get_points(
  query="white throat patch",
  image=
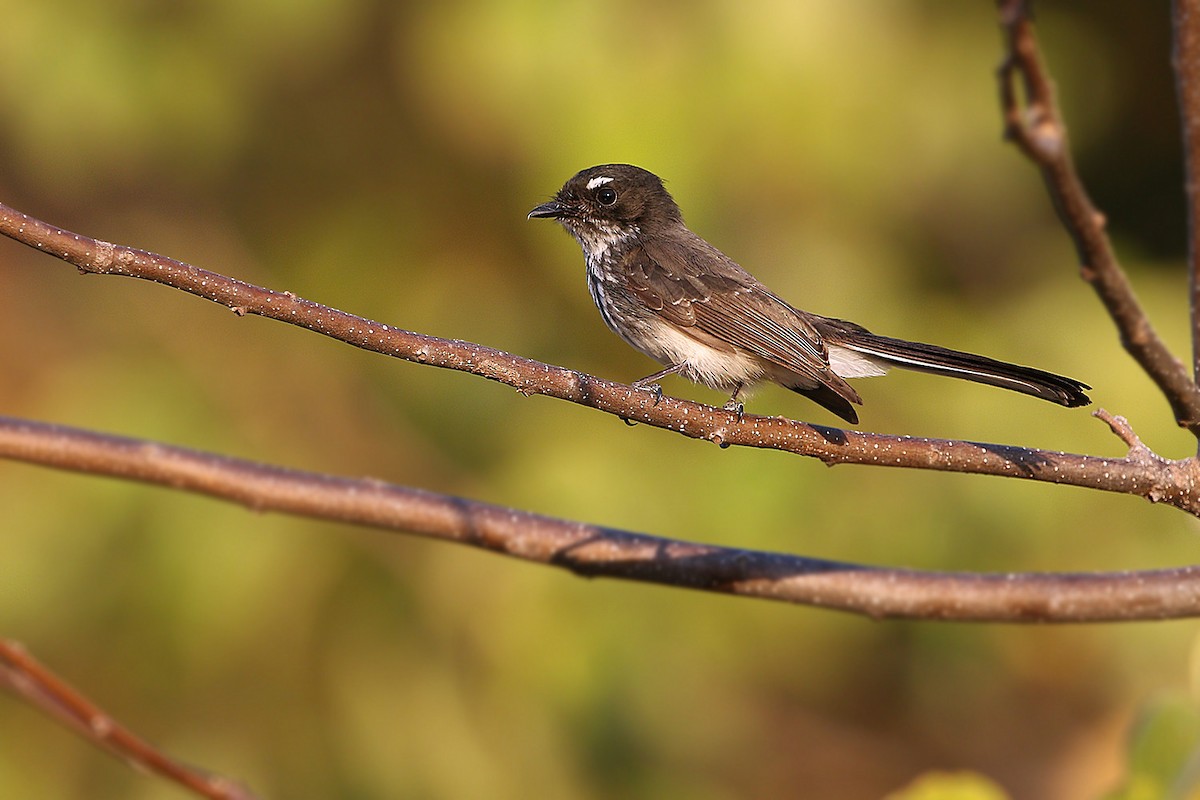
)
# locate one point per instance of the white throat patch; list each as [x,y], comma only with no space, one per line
[598,181]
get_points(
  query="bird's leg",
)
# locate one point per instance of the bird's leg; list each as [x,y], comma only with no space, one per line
[649,383]
[733,404]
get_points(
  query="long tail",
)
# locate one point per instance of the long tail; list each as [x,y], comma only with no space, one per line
[955,364]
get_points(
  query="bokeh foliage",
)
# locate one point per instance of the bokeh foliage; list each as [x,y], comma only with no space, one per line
[380,157]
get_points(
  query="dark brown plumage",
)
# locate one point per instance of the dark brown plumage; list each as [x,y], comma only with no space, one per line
[687,305]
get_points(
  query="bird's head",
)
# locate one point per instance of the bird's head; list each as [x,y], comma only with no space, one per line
[604,204]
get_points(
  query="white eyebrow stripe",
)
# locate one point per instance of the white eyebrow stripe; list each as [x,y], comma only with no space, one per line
[600,181]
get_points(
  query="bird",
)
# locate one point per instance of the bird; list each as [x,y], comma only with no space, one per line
[679,300]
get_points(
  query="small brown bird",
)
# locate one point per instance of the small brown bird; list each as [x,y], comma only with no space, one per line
[687,305]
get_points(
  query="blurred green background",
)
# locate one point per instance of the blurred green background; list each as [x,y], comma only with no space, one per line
[381,157]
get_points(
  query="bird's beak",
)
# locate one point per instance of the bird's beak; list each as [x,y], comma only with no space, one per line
[553,209]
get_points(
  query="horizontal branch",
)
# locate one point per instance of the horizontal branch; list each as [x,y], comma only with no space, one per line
[1157,479]
[595,551]
[1035,124]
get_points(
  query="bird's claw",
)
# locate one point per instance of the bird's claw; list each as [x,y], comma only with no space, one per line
[653,388]
[737,408]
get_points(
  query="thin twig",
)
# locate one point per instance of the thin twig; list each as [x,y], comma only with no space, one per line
[26,677]
[831,445]
[1186,27]
[595,551]
[1034,123]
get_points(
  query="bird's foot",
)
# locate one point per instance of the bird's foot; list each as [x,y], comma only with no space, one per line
[653,388]
[737,408]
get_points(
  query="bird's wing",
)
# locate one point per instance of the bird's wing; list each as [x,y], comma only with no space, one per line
[698,288]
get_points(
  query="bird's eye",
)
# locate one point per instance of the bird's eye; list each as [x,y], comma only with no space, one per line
[606,196]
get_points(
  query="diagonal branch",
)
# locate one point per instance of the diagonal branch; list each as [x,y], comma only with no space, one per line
[1174,482]
[595,551]
[1034,123]
[26,677]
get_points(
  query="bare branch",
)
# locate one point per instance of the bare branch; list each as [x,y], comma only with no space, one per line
[1186,27]
[1034,123]
[591,550]
[1168,481]
[24,676]
[595,551]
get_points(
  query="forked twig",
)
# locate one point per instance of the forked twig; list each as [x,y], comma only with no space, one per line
[1033,121]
